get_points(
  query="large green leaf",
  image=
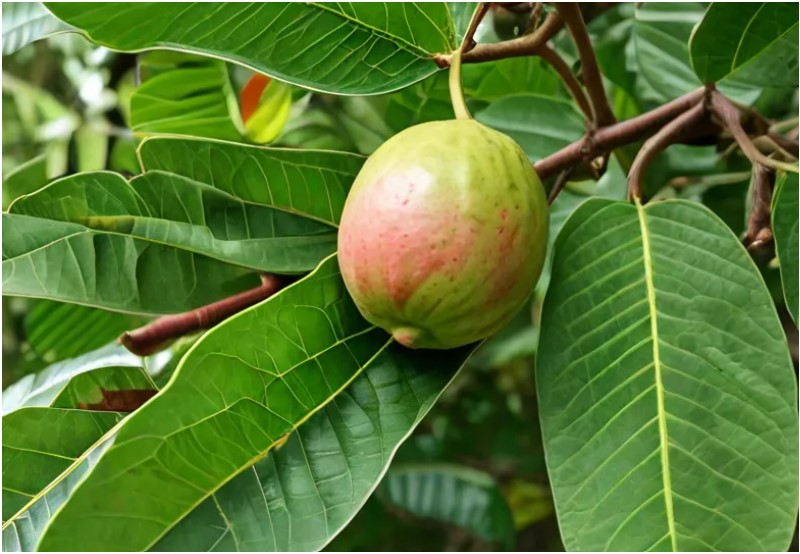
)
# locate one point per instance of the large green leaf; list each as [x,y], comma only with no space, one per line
[57,331]
[755,40]
[784,226]
[240,391]
[40,443]
[79,380]
[363,48]
[457,495]
[303,494]
[237,400]
[168,209]
[540,124]
[313,183]
[338,456]
[157,246]
[26,22]
[69,262]
[667,396]
[192,96]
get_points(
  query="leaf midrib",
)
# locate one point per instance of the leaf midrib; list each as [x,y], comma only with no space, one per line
[661,411]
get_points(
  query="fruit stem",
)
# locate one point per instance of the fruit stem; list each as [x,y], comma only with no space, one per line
[456,92]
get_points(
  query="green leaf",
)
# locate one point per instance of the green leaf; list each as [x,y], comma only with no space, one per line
[27,22]
[240,391]
[173,210]
[26,178]
[57,331]
[40,443]
[667,394]
[540,124]
[757,41]
[313,183]
[78,381]
[71,263]
[263,208]
[784,226]
[457,495]
[302,495]
[354,48]
[661,34]
[191,96]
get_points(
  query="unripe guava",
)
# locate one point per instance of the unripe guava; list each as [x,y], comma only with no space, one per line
[443,234]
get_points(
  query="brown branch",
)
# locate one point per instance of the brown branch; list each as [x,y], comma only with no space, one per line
[468,43]
[536,16]
[759,225]
[608,138]
[677,129]
[730,118]
[157,334]
[521,46]
[784,143]
[570,81]
[558,186]
[571,14]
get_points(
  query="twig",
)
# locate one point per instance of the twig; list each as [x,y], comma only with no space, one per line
[521,46]
[786,144]
[570,81]
[157,334]
[619,134]
[536,16]
[675,130]
[728,114]
[558,186]
[759,225]
[468,43]
[571,14]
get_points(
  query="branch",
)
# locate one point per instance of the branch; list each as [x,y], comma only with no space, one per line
[611,137]
[759,225]
[728,114]
[157,334]
[467,43]
[571,14]
[522,46]
[557,62]
[677,129]
[558,186]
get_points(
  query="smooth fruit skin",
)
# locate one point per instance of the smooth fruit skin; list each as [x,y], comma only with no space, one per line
[443,234]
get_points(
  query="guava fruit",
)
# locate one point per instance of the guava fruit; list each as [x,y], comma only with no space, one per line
[443,234]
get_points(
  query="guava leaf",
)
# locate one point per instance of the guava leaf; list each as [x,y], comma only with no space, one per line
[784,227]
[756,41]
[313,183]
[169,209]
[303,494]
[308,347]
[169,242]
[667,395]
[366,48]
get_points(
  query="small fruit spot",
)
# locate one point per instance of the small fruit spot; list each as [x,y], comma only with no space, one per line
[503,214]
